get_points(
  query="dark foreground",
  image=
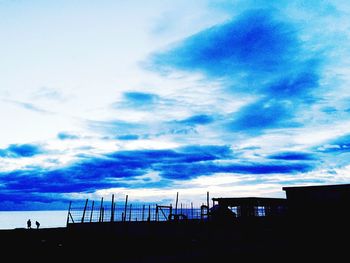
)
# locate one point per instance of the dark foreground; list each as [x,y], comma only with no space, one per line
[271,240]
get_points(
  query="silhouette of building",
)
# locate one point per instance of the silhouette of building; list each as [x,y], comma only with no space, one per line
[321,201]
[253,206]
[311,223]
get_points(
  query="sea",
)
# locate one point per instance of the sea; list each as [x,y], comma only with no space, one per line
[47,219]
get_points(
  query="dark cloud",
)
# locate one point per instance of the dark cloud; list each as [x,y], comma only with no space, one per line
[20,150]
[295,86]
[92,173]
[253,41]
[186,154]
[16,200]
[64,180]
[186,171]
[302,156]
[269,168]
[17,197]
[263,114]
[253,54]
[122,169]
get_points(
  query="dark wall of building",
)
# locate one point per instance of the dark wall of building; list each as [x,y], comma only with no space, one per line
[321,202]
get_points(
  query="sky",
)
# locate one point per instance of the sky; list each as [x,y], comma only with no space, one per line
[150,98]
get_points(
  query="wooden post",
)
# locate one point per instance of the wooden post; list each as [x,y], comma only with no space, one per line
[149,213]
[208,205]
[86,202]
[92,210]
[125,207]
[70,204]
[208,200]
[101,207]
[170,212]
[130,212]
[115,211]
[103,213]
[157,217]
[143,212]
[202,213]
[112,209]
[191,210]
[177,199]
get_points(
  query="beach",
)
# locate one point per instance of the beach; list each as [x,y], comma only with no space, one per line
[47,219]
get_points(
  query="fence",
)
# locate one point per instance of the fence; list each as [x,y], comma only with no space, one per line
[114,212]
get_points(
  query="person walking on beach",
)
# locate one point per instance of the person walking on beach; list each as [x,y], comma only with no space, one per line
[37,224]
[29,224]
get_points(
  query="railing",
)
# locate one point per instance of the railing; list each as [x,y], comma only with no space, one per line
[114,212]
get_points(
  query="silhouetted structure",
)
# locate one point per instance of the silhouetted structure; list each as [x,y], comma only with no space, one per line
[322,201]
[253,206]
[222,213]
[318,217]
[310,224]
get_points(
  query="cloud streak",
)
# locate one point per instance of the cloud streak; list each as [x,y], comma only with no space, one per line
[21,150]
[118,169]
[254,54]
[253,43]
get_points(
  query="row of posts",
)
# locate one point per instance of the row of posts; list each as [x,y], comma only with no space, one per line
[159,208]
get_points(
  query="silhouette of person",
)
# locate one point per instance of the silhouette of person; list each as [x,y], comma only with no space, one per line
[37,224]
[29,224]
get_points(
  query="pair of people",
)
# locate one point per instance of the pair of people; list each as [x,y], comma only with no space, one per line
[29,224]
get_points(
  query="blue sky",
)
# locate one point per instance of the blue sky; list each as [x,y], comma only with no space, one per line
[238,98]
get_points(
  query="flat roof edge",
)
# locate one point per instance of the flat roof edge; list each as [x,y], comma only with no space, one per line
[316,186]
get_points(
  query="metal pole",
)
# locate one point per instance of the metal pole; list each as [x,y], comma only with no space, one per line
[177,199]
[112,209]
[191,210]
[208,200]
[86,202]
[143,212]
[207,204]
[115,211]
[92,210]
[70,204]
[125,207]
[100,218]
[149,213]
[130,212]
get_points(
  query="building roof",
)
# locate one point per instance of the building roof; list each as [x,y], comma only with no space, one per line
[318,187]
